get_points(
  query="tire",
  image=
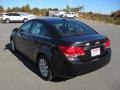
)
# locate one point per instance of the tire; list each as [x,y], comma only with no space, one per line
[7,21]
[44,68]
[65,17]
[13,46]
[25,20]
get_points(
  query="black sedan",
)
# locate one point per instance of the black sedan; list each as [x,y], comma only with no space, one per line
[61,47]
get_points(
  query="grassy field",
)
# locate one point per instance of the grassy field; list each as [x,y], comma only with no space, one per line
[114,18]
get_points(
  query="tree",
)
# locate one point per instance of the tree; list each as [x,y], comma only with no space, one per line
[43,12]
[78,8]
[67,9]
[9,9]
[49,9]
[26,8]
[74,9]
[55,9]
[116,14]
[35,11]
[16,9]
[1,9]
[90,12]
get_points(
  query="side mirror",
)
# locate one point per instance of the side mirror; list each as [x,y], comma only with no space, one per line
[15,30]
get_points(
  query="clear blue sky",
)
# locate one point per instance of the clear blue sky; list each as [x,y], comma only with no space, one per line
[98,6]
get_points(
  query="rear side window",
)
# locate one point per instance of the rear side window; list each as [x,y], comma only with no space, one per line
[16,14]
[26,27]
[39,29]
[79,28]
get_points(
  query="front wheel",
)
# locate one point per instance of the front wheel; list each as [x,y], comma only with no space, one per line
[25,20]
[7,21]
[65,16]
[44,68]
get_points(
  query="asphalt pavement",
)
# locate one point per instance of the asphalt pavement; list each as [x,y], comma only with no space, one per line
[18,73]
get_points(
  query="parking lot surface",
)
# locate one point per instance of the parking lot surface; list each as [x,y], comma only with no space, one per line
[18,73]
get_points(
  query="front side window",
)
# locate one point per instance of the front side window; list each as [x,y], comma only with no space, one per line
[26,27]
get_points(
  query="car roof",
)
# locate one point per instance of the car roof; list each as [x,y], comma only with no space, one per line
[48,19]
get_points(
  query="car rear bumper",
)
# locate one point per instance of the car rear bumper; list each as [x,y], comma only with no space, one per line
[73,69]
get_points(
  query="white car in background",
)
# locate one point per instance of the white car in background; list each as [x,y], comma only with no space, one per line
[70,15]
[59,13]
[16,17]
[32,16]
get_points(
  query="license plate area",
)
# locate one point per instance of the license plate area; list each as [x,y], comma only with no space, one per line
[95,52]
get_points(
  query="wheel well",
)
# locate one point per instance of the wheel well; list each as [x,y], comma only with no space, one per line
[25,18]
[7,19]
[37,56]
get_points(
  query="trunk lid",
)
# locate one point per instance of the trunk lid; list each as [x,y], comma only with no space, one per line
[93,45]
[84,38]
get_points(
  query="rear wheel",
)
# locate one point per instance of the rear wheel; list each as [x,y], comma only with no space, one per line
[13,47]
[44,68]
[7,21]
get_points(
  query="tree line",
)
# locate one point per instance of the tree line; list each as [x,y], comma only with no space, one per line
[114,17]
[37,11]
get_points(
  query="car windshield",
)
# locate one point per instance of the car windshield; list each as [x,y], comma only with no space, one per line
[72,28]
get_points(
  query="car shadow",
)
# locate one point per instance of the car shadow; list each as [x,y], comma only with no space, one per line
[29,64]
[22,58]
[33,67]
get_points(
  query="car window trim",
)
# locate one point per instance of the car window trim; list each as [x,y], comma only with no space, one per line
[36,35]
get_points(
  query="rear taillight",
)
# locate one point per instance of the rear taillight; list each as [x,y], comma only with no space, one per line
[71,52]
[107,44]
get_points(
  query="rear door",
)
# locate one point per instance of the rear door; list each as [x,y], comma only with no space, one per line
[22,36]
[11,16]
[17,17]
[39,37]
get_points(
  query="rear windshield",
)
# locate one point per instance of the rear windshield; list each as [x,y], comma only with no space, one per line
[72,28]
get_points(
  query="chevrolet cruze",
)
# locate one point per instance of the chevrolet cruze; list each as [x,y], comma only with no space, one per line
[61,47]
